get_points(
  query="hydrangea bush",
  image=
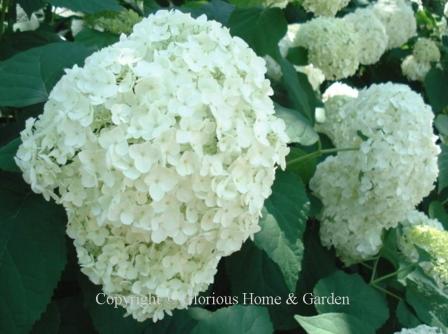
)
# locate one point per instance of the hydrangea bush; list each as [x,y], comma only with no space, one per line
[224,166]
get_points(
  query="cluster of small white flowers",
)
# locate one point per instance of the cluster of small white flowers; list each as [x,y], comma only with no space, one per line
[429,235]
[324,7]
[416,66]
[398,18]
[333,46]
[162,149]
[374,40]
[25,22]
[373,188]
[314,75]
[422,329]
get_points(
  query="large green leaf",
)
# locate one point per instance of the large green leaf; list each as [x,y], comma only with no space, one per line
[443,168]
[179,323]
[299,89]
[106,318]
[366,303]
[95,39]
[7,154]
[437,211]
[21,41]
[429,301]
[436,86]
[28,77]
[49,322]
[334,323]
[32,254]
[251,271]
[261,28]
[235,319]
[405,316]
[298,127]
[441,123]
[217,10]
[90,6]
[282,226]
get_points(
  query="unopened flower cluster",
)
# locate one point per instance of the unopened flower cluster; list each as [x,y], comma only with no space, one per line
[429,235]
[422,329]
[162,149]
[113,22]
[417,65]
[392,166]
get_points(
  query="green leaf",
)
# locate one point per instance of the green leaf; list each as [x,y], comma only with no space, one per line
[28,77]
[366,303]
[430,303]
[299,89]
[298,127]
[95,39]
[246,3]
[30,6]
[282,226]
[150,6]
[217,10]
[179,323]
[7,154]
[405,316]
[443,168]
[261,28]
[333,323]
[90,7]
[49,322]
[106,318]
[441,124]
[251,271]
[32,254]
[298,56]
[20,41]
[306,168]
[437,211]
[236,319]
[436,86]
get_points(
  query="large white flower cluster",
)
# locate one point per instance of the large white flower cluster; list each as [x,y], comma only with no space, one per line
[422,329]
[333,46]
[373,41]
[162,149]
[374,187]
[324,7]
[417,65]
[429,235]
[398,19]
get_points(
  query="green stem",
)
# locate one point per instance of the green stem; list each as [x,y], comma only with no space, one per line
[387,292]
[395,273]
[318,153]
[375,267]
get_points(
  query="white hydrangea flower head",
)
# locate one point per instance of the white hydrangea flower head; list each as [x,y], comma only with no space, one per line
[374,39]
[167,137]
[413,69]
[333,46]
[422,329]
[429,235]
[315,76]
[324,7]
[426,50]
[334,98]
[398,18]
[371,189]
[445,9]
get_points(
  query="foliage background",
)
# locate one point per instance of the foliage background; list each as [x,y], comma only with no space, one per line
[41,288]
